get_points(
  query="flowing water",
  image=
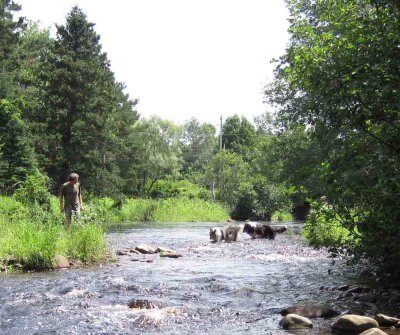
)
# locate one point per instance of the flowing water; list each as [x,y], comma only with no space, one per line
[225,288]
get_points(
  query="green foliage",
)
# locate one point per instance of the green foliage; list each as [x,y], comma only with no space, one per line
[182,188]
[34,191]
[259,199]
[238,134]
[325,228]
[227,171]
[17,158]
[339,78]
[281,216]
[157,154]
[9,34]
[199,144]
[87,116]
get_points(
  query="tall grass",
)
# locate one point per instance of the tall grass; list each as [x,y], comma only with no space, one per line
[171,210]
[281,216]
[30,238]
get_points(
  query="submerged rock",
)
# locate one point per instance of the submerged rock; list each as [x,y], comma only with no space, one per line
[170,254]
[354,323]
[311,311]
[294,321]
[146,304]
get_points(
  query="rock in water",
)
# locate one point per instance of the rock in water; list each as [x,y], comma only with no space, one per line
[354,323]
[294,321]
[146,249]
[60,262]
[146,304]
[311,311]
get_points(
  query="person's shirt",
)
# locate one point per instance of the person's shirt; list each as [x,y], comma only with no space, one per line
[71,193]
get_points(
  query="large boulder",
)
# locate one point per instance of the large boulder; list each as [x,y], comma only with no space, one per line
[373,331]
[294,321]
[311,311]
[386,321]
[354,324]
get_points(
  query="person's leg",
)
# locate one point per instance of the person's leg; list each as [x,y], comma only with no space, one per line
[68,215]
[76,214]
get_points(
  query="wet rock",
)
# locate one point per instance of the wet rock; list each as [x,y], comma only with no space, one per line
[294,321]
[386,321]
[135,259]
[134,251]
[146,249]
[122,252]
[343,287]
[170,254]
[311,311]
[60,262]
[146,304]
[373,331]
[354,323]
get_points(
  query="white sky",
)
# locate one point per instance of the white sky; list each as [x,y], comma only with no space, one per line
[184,58]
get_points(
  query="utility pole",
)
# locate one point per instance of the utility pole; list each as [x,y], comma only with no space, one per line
[220,134]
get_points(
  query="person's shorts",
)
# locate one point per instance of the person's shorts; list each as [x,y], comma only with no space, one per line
[72,212]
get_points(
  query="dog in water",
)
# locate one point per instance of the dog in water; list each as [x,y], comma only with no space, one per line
[229,233]
[263,230]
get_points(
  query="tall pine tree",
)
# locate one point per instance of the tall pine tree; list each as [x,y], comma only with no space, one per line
[89,111]
[9,33]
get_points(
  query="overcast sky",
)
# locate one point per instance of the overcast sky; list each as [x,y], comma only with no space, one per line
[184,58]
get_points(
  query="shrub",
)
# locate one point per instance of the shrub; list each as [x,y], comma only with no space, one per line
[325,228]
[34,191]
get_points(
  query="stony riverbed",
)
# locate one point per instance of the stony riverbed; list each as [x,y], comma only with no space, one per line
[226,288]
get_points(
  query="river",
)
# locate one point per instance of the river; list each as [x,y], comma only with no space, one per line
[225,288]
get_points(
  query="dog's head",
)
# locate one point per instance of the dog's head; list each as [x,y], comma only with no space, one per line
[214,233]
[248,228]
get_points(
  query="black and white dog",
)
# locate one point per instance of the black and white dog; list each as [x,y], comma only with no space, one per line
[255,229]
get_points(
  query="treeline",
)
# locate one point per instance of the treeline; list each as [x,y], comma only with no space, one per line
[62,110]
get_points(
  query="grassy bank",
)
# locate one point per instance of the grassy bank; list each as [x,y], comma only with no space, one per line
[106,210]
[172,210]
[30,237]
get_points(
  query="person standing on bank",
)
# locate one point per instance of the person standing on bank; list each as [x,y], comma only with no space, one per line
[71,198]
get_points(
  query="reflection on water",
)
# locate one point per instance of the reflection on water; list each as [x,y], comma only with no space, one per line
[224,288]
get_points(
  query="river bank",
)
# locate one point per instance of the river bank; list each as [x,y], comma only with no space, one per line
[213,288]
[32,235]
